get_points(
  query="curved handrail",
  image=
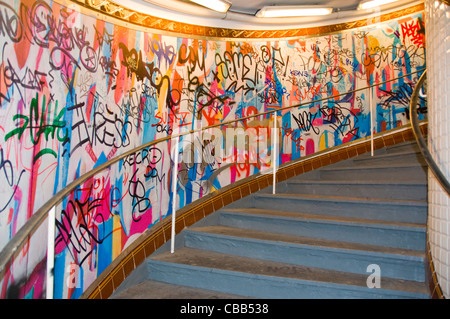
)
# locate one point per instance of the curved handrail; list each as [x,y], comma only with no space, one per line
[421,140]
[39,216]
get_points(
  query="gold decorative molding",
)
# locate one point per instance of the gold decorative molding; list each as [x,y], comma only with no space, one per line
[127,15]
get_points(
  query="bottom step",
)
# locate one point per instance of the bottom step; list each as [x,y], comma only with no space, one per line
[267,279]
[150,289]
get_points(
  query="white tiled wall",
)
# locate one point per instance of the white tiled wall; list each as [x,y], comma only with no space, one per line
[437,26]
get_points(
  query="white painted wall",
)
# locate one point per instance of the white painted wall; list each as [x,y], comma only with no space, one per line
[437,25]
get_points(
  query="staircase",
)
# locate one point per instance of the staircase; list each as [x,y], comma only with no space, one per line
[320,236]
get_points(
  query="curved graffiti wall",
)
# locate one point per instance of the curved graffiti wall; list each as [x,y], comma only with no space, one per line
[76,91]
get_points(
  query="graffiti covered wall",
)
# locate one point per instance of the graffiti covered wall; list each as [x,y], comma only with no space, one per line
[76,91]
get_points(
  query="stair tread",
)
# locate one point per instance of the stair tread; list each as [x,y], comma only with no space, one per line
[394,154]
[307,241]
[151,289]
[355,182]
[407,202]
[375,166]
[412,143]
[323,218]
[225,262]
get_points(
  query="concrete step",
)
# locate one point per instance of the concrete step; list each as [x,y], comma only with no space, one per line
[375,172]
[269,279]
[355,188]
[409,146]
[337,228]
[390,158]
[151,289]
[411,211]
[306,251]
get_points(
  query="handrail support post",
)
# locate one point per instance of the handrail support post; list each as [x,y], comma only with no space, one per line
[174,193]
[371,121]
[51,253]
[275,153]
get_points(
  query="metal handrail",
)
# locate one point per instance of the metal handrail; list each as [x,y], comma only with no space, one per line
[39,216]
[421,140]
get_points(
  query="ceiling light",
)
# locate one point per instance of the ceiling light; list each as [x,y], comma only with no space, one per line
[373,3]
[292,11]
[216,5]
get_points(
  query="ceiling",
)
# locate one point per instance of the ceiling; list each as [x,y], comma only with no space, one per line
[241,14]
[252,6]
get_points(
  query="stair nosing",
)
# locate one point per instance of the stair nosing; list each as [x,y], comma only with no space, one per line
[367,156]
[329,198]
[191,293]
[357,182]
[327,219]
[284,277]
[373,166]
[416,255]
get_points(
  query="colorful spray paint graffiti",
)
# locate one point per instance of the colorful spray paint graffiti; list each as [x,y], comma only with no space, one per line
[76,91]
